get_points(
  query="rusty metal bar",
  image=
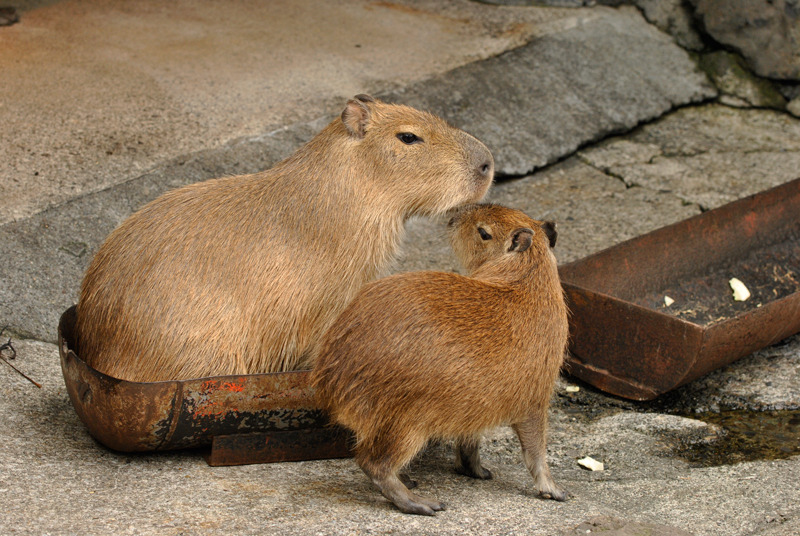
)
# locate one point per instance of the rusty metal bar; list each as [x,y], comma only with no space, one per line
[287,446]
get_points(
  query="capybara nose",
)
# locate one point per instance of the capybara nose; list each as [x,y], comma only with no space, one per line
[480,158]
[486,168]
[484,171]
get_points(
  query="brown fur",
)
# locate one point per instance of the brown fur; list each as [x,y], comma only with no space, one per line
[432,355]
[243,274]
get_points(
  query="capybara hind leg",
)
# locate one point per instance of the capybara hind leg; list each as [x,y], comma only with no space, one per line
[407,502]
[468,458]
[532,435]
[381,463]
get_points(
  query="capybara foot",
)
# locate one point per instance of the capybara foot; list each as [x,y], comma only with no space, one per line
[474,472]
[411,507]
[551,491]
[433,504]
[420,505]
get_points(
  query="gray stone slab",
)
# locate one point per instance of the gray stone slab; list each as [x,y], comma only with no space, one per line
[737,84]
[604,74]
[674,17]
[765,32]
[593,210]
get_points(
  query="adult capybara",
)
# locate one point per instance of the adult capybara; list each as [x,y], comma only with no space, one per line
[243,274]
[433,355]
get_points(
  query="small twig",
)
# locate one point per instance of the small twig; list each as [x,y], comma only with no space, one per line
[37,384]
[7,346]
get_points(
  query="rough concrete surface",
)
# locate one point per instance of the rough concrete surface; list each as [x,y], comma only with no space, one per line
[710,155]
[598,120]
[55,479]
[94,93]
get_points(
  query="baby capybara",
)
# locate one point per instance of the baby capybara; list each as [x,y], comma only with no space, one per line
[433,355]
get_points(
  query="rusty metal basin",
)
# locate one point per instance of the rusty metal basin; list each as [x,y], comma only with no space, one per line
[625,340]
[252,418]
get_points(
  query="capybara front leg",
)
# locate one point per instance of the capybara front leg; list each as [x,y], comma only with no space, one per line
[532,435]
[468,458]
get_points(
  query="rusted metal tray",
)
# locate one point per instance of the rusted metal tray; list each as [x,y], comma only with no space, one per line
[625,340]
[255,418]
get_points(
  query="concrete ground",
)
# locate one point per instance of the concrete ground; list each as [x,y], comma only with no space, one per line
[597,120]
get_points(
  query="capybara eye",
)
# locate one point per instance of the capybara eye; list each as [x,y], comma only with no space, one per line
[408,138]
[484,234]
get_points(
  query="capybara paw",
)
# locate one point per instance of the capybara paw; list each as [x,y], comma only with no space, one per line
[555,493]
[433,504]
[479,472]
[424,507]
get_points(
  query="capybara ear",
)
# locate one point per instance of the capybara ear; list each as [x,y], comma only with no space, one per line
[356,115]
[521,239]
[551,232]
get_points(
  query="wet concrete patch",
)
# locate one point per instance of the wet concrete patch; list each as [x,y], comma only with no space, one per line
[723,437]
[746,436]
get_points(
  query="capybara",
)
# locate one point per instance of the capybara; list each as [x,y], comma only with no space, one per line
[433,355]
[244,274]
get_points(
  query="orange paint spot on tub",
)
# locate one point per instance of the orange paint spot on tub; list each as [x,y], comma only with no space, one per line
[234,387]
